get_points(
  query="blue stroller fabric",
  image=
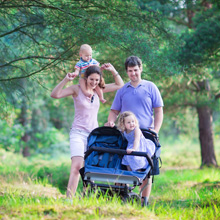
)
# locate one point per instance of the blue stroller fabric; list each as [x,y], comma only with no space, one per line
[103,170]
[106,147]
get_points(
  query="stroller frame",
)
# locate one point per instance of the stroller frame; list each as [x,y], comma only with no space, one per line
[103,169]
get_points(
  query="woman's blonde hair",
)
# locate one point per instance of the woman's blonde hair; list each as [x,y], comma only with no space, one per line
[121,120]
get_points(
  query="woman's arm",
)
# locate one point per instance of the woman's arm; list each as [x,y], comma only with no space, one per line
[58,92]
[111,87]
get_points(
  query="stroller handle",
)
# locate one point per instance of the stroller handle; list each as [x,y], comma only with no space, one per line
[119,152]
[155,134]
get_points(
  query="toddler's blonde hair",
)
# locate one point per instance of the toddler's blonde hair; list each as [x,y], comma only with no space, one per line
[121,120]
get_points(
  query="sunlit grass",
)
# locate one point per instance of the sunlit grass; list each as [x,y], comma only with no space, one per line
[176,194]
[35,189]
[187,194]
[183,152]
[21,203]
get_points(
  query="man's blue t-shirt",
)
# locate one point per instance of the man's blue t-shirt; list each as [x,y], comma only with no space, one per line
[140,100]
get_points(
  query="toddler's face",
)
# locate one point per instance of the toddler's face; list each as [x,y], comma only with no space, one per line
[86,55]
[129,123]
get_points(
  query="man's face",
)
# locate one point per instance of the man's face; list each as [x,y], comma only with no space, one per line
[134,73]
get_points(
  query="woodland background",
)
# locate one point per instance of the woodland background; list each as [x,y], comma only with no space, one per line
[178,42]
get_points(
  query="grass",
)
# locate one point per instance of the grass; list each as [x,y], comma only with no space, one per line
[35,189]
[187,194]
[176,194]
[183,152]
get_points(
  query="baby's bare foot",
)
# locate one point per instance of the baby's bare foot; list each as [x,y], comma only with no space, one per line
[87,94]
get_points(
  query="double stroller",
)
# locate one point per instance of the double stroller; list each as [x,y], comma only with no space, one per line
[103,171]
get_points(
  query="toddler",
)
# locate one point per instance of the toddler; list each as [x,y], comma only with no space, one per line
[129,125]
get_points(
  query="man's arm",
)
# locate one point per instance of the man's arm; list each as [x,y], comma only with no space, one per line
[113,114]
[158,118]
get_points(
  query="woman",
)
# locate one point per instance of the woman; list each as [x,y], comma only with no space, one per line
[86,112]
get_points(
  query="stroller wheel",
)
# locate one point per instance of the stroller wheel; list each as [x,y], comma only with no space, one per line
[132,197]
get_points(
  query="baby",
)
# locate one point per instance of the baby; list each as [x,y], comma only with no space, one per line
[86,60]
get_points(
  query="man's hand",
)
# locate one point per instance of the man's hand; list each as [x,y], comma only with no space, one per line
[109,124]
[153,130]
[155,133]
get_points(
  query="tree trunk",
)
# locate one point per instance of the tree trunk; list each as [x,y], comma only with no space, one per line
[206,136]
[24,121]
[23,118]
[25,150]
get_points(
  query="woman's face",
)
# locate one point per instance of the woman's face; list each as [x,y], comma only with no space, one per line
[93,80]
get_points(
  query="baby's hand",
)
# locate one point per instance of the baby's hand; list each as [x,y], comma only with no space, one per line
[130,150]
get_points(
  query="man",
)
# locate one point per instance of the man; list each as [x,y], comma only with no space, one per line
[141,97]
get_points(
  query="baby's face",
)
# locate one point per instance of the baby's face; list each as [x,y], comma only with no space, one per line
[86,55]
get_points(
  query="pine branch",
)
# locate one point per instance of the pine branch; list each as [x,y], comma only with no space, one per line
[43,68]
[26,58]
[18,29]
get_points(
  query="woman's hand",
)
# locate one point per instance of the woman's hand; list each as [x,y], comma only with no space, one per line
[58,92]
[71,76]
[108,66]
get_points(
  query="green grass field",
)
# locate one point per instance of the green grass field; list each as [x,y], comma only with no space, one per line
[35,189]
